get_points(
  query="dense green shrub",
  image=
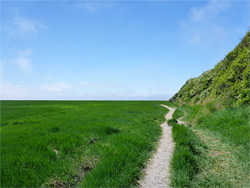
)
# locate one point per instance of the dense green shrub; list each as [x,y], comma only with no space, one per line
[171,122]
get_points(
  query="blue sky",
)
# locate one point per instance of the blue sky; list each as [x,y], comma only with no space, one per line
[120,50]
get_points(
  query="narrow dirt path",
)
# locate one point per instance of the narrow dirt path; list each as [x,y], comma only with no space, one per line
[157,171]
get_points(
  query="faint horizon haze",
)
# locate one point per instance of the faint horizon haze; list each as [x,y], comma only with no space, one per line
[113,50]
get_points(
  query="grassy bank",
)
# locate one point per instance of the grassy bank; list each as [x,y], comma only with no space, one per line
[226,160]
[186,156]
[65,143]
[232,124]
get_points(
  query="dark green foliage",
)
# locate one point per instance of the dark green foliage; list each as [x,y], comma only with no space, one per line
[178,113]
[77,143]
[112,130]
[184,164]
[171,122]
[229,81]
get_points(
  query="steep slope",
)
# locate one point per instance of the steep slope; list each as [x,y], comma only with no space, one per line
[228,82]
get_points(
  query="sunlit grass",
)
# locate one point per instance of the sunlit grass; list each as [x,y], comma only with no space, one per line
[225,161]
[65,143]
[186,156]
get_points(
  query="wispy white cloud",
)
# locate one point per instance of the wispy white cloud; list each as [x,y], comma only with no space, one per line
[23,60]
[28,25]
[12,91]
[64,91]
[22,26]
[92,7]
[55,87]
[23,63]
[203,24]
[208,12]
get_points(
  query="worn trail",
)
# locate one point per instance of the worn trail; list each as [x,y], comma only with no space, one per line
[157,171]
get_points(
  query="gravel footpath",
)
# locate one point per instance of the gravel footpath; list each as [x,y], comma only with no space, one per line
[157,171]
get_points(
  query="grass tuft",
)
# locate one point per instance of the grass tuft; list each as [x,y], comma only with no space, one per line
[112,130]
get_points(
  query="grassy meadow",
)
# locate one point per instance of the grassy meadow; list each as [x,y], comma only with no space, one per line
[77,143]
[215,149]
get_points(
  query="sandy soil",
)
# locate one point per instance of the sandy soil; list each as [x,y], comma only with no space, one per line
[157,171]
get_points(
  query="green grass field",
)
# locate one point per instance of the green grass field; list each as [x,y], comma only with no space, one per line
[186,156]
[223,141]
[77,143]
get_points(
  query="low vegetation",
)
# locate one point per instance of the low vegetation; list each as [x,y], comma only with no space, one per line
[77,143]
[225,161]
[171,122]
[186,156]
[178,114]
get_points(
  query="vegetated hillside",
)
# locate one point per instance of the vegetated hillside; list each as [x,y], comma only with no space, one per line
[228,82]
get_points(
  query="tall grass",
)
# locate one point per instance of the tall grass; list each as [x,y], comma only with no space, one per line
[226,132]
[187,153]
[233,124]
[77,143]
[178,113]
